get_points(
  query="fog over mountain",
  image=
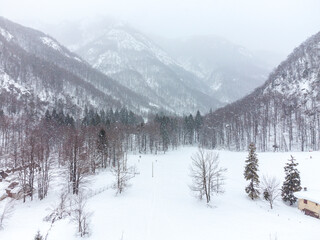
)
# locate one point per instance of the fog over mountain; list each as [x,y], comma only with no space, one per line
[137,62]
[231,71]
[230,46]
[162,119]
[209,64]
[283,112]
[276,26]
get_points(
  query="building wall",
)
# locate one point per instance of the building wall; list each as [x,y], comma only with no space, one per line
[311,206]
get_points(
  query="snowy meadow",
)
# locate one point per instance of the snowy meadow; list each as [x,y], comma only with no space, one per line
[163,207]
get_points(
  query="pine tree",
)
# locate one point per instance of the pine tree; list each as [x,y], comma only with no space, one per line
[164,131]
[47,115]
[102,146]
[38,236]
[198,122]
[250,173]
[291,183]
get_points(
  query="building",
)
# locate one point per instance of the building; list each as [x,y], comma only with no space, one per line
[309,202]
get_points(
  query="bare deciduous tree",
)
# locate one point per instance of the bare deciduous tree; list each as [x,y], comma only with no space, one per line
[75,153]
[44,162]
[121,171]
[207,176]
[80,216]
[59,211]
[270,189]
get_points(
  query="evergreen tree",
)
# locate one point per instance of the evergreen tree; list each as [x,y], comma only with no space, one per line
[61,118]
[47,115]
[96,120]
[198,122]
[91,116]
[103,147]
[38,236]
[54,115]
[291,183]
[110,116]
[164,131]
[132,118]
[103,116]
[116,116]
[250,173]
[188,126]
[68,120]
[123,115]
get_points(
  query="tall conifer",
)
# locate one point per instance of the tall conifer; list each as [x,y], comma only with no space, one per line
[291,183]
[250,173]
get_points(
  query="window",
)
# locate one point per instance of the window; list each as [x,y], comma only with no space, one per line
[305,201]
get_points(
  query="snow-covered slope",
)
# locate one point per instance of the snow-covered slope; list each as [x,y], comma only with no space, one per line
[298,77]
[53,76]
[135,61]
[163,207]
[231,71]
[200,70]
[283,112]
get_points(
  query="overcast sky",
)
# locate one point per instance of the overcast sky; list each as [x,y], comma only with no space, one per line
[273,25]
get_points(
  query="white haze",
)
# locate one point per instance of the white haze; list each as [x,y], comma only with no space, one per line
[264,25]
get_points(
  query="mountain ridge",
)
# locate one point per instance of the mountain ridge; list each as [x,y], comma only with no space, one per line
[120,49]
[230,70]
[283,113]
[22,43]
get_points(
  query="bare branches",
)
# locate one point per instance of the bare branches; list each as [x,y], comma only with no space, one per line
[73,208]
[80,216]
[59,211]
[76,155]
[122,172]
[207,176]
[270,189]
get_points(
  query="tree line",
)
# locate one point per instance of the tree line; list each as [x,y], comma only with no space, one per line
[270,120]
[33,147]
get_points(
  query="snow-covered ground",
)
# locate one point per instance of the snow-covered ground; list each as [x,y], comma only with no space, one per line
[163,208]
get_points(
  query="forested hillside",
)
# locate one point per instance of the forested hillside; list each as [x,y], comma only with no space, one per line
[36,69]
[283,114]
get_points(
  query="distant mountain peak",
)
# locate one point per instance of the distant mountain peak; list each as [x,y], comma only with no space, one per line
[37,68]
[136,61]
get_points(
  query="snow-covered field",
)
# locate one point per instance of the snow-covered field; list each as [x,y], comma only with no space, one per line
[163,208]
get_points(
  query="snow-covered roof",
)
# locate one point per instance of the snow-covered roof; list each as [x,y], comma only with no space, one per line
[311,195]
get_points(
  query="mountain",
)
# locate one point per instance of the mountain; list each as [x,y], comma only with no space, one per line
[284,113]
[36,69]
[231,71]
[183,74]
[135,61]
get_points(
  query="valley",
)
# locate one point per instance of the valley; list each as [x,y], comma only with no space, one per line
[164,207]
[111,130]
